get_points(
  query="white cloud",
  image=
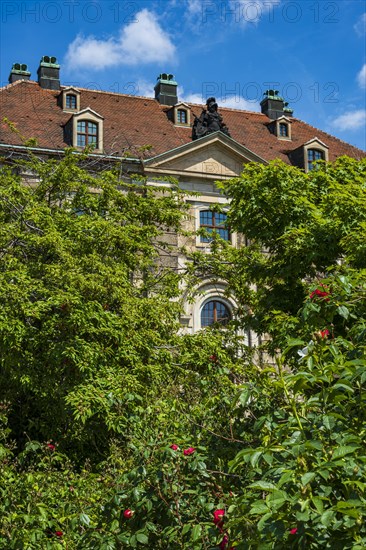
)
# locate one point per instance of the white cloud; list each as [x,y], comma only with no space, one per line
[192,98]
[350,121]
[194,6]
[141,41]
[239,103]
[361,77]
[232,102]
[360,26]
[145,88]
[144,41]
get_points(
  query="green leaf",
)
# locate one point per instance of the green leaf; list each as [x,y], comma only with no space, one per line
[343,311]
[263,486]
[196,532]
[318,503]
[84,519]
[141,537]
[329,422]
[344,450]
[306,478]
[255,457]
[327,518]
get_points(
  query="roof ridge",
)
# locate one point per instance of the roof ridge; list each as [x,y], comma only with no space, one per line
[107,92]
[329,135]
[16,83]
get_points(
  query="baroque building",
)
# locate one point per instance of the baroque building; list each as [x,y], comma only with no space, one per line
[158,138]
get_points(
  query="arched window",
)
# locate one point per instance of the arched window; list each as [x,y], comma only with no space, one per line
[87,133]
[181,116]
[71,102]
[213,312]
[313,155]
[213,221]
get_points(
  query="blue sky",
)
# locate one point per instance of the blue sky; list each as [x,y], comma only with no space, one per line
[312,51]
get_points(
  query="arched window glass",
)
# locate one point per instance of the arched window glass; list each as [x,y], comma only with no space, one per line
[214,221]
[182,116]
[87,133]
[213,312]
[313,155]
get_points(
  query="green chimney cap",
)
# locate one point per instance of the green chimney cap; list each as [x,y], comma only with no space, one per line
[48,61]
[20,68]
[167,78]
[272,94]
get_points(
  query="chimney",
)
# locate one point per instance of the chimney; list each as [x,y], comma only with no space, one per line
[274,105]
[287,110]
[49,73]
[18,71]
[166,89]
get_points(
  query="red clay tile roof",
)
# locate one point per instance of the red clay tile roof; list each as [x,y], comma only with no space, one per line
[131,122]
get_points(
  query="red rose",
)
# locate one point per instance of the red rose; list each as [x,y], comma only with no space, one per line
[174,447]
[58,533]
[189,451]
[128,513]
[324,333]
[293,531]
[51,447]
[219,517]
[320,294]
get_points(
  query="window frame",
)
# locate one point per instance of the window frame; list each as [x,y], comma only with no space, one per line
[216,321]
[74,101]
[182,107]
[314,151]
[214,226]
[312,145]
[83,116]
[70,91]
[182,112]
[283,122]
[283,129]
[87,133]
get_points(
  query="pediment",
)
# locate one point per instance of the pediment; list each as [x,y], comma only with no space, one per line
[215,156]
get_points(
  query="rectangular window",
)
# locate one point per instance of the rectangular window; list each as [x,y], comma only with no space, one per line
[182,116]
[87,133]
[213,221]
[283,129]
[314,155]
[71,101]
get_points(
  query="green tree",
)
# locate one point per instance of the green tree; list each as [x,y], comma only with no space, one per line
[300,227]
[86,307]
[275,454]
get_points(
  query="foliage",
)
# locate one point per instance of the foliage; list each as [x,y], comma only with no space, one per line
[119,432]
[300,227]
[86,308]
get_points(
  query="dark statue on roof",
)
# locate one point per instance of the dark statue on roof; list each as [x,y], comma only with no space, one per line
[210,121]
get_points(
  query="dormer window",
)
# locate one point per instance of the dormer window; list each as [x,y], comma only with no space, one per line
[71,102]
[314,150]
[87,133]
[182,116]
[283,129]
[70,99]
[85,128]
[313,156]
